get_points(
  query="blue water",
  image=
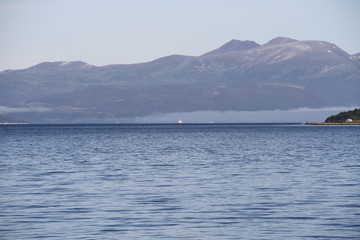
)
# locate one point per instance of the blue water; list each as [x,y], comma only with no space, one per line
[179,182]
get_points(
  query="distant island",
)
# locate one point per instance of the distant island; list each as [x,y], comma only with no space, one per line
[351,117]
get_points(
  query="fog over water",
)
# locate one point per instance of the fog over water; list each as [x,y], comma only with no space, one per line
[7,110]
[267,116]
[273,116]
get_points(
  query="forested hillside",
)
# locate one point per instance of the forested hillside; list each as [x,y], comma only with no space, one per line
[343,116]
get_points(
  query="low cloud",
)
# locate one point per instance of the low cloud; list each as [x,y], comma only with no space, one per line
[5,110]
[336,109]
[273,116]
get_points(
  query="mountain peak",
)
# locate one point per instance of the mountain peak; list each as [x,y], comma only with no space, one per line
[56,65]
[234,45]
[280,40]
[72,63]
[356,55]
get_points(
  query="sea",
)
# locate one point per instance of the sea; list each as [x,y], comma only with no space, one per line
[179,181]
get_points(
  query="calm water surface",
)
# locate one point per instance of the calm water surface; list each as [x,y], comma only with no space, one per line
[179,182]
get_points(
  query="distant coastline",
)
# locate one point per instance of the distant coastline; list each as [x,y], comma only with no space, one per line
[6,120]
[351,117]
[331,123]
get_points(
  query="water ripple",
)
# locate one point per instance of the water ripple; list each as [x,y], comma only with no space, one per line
[179,182]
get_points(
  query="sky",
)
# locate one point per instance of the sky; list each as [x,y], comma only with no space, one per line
[102,32]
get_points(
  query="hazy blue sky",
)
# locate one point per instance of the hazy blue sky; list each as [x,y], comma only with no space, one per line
[130,31]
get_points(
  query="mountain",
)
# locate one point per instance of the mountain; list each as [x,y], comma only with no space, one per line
[240,75]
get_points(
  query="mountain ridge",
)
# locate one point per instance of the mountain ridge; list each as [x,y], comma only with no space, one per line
[240,75]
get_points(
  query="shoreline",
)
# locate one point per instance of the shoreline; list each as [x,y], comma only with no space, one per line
[325,123]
